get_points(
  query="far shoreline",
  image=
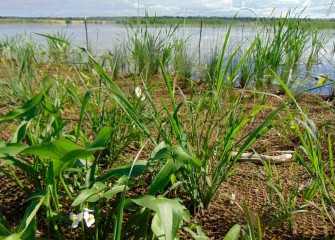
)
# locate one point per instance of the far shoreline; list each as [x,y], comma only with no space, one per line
[165,20]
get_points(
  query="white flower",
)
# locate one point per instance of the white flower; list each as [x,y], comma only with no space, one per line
[301,187]
[232,198]
[86,215]
[139,93]
[88,210]
[89,218]
[75,218]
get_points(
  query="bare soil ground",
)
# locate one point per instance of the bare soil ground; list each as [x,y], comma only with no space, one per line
[245,184]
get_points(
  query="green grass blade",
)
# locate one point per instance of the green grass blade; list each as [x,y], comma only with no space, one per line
[234,233]
[119,96]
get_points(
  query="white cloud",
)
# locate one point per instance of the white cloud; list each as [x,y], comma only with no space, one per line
[159,7]
[316,8]
[213,4]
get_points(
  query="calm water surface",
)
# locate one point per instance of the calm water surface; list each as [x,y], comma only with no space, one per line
[104,37]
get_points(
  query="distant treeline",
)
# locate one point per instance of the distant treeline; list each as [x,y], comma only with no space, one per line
[190,20]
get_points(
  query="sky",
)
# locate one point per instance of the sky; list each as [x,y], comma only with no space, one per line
[112,8]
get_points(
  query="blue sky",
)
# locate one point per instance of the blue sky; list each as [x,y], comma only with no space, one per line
[80,8]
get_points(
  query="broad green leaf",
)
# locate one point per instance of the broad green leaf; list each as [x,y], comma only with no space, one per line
[234,233]
[157,227]
[170,212]
[101,138]
[53,150]
[178,154]
[64,152]
[176,157]
[30,230]
[186,216]
[163,177]
[139,167]
[59,166]
[146,201]
[20,132]
[111,193]
[160,146]
[87,194]
[12,148]
[78,153]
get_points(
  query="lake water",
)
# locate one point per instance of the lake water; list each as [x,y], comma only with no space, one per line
[104,37]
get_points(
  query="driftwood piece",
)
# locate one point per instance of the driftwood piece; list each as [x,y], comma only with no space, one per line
[255,157]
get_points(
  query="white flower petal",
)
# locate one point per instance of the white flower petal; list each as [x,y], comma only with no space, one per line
[89,220]
[74,224]
[139,93]
[88,210]
[79,217]
[73,217]
[88,224]
[232,198]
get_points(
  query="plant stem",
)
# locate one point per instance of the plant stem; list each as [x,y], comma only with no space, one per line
[65,187]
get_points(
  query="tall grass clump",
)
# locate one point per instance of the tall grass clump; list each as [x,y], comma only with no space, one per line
[147,45]
[269,51]
[115,62]
[210,70]
[311,156]
[223,64]
[19,63]
[147,208]
[209,134]
[246,73]
[284,203]
[182,61]
[282,45]
[318,41]
[58,46]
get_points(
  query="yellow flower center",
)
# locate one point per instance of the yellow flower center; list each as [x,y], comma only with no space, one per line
[74,218]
